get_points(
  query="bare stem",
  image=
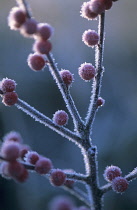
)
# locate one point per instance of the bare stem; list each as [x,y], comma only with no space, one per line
[41,118]
[97,81]
[65,94]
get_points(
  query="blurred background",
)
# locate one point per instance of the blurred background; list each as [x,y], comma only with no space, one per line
[115,127]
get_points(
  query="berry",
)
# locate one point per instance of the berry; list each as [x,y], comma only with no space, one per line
[100,101]
[43,165]
[23,176]
[90,38]
[61,203]
[36,62]
[15,169]
[23,150]
[3,170]
[13,136]
[29,27]
[66,76]
[87,12]
[42,46]
[60,117]
[108,4]
[97,6]
[16,18]
[10,98]
[111,172]
[10,150]
[69,182]
[31,157]
[7,85]
[44,31]
[57,177]
[87,71]
[119,184]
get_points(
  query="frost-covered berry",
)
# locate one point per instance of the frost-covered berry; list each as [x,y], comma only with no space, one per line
[36,62]
[15,169]
[108,4]
[23,150]
[111,172]
[61,203]
[87,71]
[31,157]
[16,18]
[13,136]
[69,182]
[66,76]
[87,12]
[3,170]
[43,165]
[42,46]
[100,101]
[60,117]
[44,31]
[7,85]
[10,150]
[57,177]
[97,6]
[22,177]
[10,98]
[29,27]
[90,38]
[119,184]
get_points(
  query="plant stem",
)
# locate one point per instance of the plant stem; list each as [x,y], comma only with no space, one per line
[66,95]
[97,81]
[41,118]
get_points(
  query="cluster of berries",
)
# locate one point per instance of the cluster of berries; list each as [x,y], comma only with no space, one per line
[64,203]
[113,174]
[16,157]
[7,88]
[91,9]
[18,20]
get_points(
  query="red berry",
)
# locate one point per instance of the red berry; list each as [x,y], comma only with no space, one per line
[100,101]
[90,38]
[7,85]
[43,165]
[4,170]
[119,184]
[66,76]
[13,136]
[44,31]
[57,177]
[15,169]
[29,27]
[87,12]
[61,203]
[31,157]
[97,6]
[42,46]
[10,150]
[23,150]
[111,172]
[10,98]
[60,117]
[87,71]
[108,4]
[16,18]
[23,176]
[36,62]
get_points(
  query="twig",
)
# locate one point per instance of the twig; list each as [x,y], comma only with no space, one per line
[66,94]
[97,81]
[41,118]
